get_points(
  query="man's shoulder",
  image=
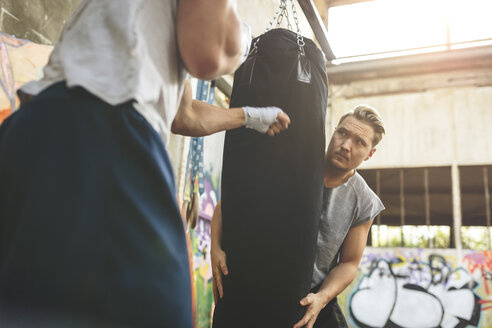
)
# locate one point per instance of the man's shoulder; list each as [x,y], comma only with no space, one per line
[357,181]
[360,186]
[368,203]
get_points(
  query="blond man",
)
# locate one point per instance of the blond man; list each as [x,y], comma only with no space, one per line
[349,208]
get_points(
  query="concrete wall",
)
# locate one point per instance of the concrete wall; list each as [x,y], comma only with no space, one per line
[37,20]
[431,119]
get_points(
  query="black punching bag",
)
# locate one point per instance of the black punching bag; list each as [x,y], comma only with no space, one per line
[272,186]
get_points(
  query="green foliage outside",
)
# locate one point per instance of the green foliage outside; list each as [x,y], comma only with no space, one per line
[476,238]
[412,236]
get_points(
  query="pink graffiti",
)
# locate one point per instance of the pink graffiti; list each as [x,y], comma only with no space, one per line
[486,303]
[481,261]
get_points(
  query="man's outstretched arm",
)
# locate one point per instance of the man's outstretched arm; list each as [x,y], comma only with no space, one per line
[197,118]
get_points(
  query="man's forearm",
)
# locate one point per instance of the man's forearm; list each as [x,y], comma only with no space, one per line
[216,227]
[214,119]
[204,119]
[337,280]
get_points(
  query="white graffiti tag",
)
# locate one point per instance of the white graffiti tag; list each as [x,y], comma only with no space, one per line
[415,294]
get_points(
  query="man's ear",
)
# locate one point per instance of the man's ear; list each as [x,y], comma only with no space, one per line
[370,154]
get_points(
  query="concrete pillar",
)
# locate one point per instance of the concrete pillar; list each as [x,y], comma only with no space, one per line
[378,192]
[427,204]
[402,206]
[456,190]
[456,193]
[487,202]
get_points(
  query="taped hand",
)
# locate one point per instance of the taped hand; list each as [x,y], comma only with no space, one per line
[266,119]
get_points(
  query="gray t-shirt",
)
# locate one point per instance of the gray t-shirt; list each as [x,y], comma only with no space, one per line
[346,206]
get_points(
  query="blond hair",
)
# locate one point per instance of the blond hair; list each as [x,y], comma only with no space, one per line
[370,116]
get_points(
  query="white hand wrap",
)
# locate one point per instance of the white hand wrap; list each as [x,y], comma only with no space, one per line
[260,118]
[245,40]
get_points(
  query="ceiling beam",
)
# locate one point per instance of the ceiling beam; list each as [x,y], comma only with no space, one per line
[317,26]
[457,59]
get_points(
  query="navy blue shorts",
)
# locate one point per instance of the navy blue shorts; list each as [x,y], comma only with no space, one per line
[90,230]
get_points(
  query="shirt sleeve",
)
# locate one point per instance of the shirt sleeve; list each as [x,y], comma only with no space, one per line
[369,206]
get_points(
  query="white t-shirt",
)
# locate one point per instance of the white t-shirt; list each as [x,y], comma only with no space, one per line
[348,205]
[121,50]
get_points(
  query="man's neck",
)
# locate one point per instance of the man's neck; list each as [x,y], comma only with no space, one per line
[335,177]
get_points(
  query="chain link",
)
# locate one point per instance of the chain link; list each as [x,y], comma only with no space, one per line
[280,13]
[283,13]
[300,39]
[275,17]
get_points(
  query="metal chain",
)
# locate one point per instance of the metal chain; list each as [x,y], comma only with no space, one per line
[275,17]
[300,39]
[280,13]
[294,15]
[283,13]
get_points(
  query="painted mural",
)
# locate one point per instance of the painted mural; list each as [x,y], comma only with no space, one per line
[200,237]
[21,61]
[420,288]
[203,170]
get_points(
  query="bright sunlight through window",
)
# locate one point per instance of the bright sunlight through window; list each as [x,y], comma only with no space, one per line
[383,28]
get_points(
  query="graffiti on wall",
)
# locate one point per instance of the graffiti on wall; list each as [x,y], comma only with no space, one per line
[21,61]
[201,241]
[420,288]
[482,263]
[200,237]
